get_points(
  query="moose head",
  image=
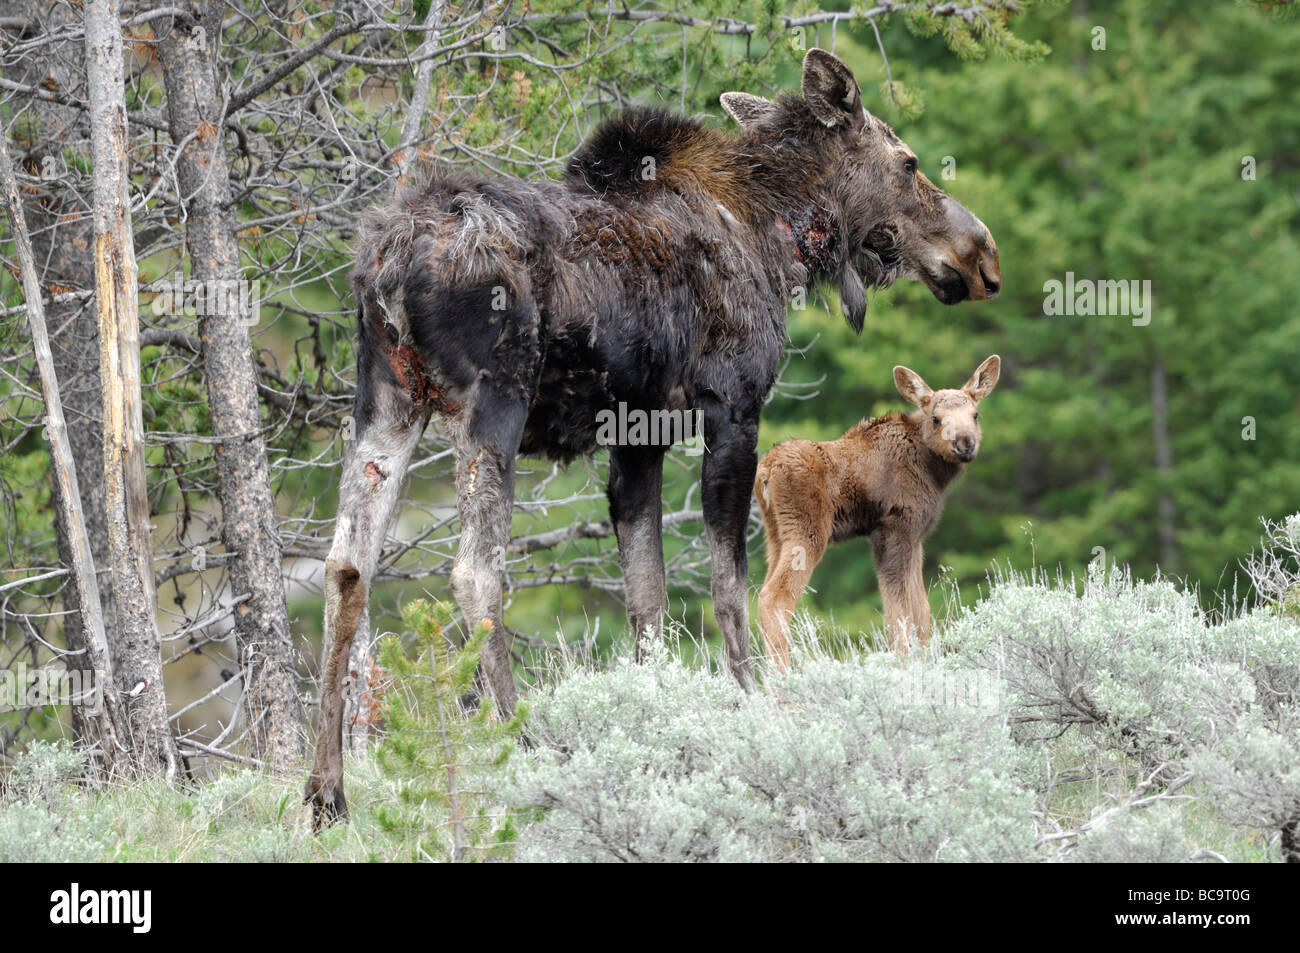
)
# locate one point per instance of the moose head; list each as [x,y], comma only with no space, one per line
[889,220]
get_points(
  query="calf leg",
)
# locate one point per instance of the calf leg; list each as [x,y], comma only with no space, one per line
[636,510]
[771,526]
[919,596]
[898,569]
[373,469]
[798,554]
[730,461]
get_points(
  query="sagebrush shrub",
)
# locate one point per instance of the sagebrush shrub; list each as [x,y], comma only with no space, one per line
[840,760]
[39,772]
[1254,768]
[1144,671]
[1157,835]
[38,823]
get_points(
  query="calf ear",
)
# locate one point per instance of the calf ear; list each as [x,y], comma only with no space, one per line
[909,384]
[831,91]
[984,379]
[745,108]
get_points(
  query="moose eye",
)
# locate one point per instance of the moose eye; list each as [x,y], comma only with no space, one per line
[977,416]
[910,167]
[936,421]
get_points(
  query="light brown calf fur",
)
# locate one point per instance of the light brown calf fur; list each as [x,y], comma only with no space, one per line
[886,479]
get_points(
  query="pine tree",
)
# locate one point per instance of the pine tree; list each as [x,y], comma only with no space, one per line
[439,754]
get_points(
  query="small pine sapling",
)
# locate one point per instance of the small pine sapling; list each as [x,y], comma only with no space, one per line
[440,755]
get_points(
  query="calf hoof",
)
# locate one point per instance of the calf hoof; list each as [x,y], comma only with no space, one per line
[327,802]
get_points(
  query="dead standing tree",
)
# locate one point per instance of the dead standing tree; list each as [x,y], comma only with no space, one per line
[59,219]
[139,663]
[248,531]
[85,586]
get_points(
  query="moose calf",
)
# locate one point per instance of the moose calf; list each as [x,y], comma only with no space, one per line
[886,479]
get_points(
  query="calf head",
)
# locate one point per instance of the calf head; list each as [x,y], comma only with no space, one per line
[950,426]
[893,222]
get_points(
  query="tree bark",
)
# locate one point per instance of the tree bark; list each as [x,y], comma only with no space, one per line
[61,238]
[101,708]
[414,120]
[139,659]
[271,704]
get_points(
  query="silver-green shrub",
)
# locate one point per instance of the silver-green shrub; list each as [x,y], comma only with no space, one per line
[1275,569]
[38,822]
[1143,671]
[42,769]
[37,833]
[1254,768]
[865,759]
[1156,835]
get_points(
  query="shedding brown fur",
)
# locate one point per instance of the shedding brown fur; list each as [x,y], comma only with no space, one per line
[885,479]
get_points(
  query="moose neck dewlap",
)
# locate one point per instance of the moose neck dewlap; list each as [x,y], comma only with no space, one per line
[816,237]
[815,234]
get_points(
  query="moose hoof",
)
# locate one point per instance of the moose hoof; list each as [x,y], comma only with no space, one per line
[327,803]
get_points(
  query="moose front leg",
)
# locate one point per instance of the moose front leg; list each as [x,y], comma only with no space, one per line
[727,478]
[373,470]
[636,510]
[902,588]
[919,595]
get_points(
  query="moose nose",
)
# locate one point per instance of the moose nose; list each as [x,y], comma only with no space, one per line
[964,447]
[974,250]
[990,273]
[992,282]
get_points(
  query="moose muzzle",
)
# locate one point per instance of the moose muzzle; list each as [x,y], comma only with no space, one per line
[969,268]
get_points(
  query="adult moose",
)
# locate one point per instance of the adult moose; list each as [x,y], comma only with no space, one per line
[657,273]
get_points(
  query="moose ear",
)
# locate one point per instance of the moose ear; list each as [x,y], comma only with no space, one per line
[746,108]
[984,379]
[831,91]
[909,384]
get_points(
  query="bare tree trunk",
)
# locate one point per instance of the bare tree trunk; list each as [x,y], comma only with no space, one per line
[414,120]
[271,702]
[139,659]
[82,562]
[61,237]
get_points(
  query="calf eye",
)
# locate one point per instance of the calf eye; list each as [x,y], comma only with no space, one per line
[977,416]
[936,421]
[910,167]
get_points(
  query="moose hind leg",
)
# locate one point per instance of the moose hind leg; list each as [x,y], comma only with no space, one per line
[373,470]
[787,578]
[919,596]
[636,510]
[486,444]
